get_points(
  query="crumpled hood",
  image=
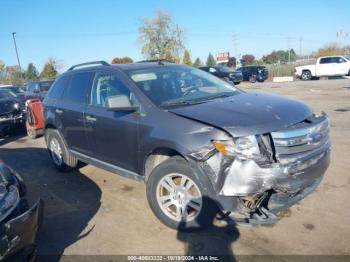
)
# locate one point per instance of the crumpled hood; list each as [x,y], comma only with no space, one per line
[6,105]
[248,113]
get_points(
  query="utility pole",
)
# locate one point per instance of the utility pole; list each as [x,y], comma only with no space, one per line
[300,47]
[234,39]
[288,39]
[14,41]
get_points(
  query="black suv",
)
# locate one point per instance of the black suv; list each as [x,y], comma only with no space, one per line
[11,112]
[254,73]
[37,89]
[200,144]
[225,73]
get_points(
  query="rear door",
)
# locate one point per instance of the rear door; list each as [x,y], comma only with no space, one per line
[113,135]
[325,67]
[70,110]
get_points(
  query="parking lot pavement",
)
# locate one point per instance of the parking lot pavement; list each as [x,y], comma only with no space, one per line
[92,211]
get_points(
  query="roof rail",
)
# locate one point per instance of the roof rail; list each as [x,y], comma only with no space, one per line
[154,60]
[89,63]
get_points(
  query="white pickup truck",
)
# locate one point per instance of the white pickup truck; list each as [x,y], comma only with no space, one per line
[325,66]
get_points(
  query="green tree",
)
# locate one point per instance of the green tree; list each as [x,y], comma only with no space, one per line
[187,58]
[50,69]
[197,62]
[161,38]
[211,60]
[31,73]
[13,75]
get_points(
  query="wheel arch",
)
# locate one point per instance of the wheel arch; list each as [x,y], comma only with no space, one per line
[158,156]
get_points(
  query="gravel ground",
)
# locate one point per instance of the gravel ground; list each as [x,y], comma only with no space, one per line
[94,212]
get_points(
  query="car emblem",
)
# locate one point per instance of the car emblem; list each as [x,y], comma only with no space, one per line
[315,137]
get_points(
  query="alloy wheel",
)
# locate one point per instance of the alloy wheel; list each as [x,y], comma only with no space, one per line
[179,197]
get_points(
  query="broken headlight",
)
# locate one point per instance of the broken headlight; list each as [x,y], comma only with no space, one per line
[8,201]
[246,147]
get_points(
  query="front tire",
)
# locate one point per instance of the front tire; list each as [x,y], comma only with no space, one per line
[176,197]
[306,75]
[62,159]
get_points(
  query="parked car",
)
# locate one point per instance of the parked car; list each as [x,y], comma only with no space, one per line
[11,112]
[19,91]
[19,223]
[37,89]
[254,73]
[190,137]
[225,73]
[325,66]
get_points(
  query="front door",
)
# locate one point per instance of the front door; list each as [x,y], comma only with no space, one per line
[113,135]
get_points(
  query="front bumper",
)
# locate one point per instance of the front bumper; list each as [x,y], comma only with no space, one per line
[18,235]
[19,229]
[255,194]
[11,122]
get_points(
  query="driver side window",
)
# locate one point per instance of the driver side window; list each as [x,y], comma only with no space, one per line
[107,85]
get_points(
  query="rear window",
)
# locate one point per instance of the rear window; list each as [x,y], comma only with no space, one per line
[326,60]
[45,86]
[79,88]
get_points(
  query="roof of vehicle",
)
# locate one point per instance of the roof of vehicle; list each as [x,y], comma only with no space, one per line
[253,66]
[124,67]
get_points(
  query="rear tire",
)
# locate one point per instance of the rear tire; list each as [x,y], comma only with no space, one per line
[176,197]
[306,75]
[252,79]
[62,159]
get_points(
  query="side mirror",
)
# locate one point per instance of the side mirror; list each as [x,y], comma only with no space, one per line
[120,103]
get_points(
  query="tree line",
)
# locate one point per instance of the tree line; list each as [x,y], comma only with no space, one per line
[161,38]
[13,74]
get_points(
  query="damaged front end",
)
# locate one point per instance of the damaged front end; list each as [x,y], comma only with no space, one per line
[255,177]
[19,224]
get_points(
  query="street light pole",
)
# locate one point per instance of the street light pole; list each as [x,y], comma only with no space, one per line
[14,41]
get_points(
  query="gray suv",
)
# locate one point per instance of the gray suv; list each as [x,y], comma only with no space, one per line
[201,146]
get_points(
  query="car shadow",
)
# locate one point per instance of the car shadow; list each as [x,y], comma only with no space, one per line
[214,240]
[70,199]
[12,136]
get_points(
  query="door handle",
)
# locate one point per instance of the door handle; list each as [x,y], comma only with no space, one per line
[90,119]
[59,111]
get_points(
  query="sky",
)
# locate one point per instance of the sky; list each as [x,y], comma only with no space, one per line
[76,31]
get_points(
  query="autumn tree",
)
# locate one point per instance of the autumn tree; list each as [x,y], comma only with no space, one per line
[31,73]
[210,60]
[50,69]
[122,60]
[247,59]
[197,62]
[331,49]
[161,38]
[187,58]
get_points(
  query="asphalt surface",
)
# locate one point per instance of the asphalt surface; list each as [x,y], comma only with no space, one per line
[94,212]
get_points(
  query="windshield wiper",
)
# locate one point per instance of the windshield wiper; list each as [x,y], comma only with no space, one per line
[182,102]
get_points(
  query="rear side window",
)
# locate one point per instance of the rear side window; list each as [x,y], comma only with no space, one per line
[79,88]
[58,87]
[326,60]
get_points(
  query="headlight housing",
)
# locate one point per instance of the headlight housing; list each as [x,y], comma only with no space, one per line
[246,147]
[16,106]
[8,202]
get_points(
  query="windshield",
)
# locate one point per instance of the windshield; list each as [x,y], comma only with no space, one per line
[225,69]
[176,85]
[6,94]
[45,86]
[15,89]
[347,57]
